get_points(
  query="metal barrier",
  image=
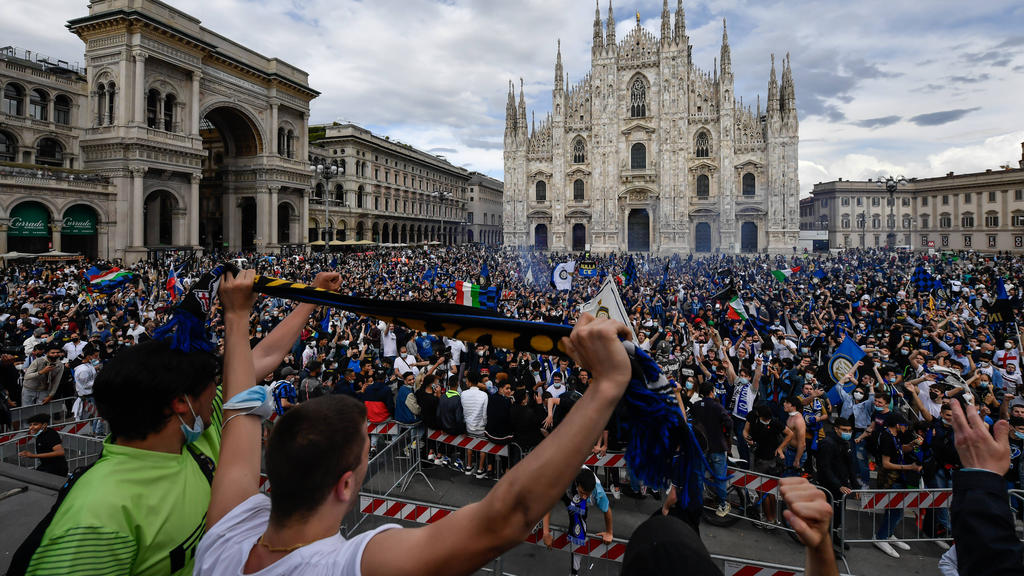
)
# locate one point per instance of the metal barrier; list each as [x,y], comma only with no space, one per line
[864,511]
[57,409]
[79,450]
[1017,509]
[72,427]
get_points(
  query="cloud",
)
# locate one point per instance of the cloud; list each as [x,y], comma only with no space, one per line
[877,122]
[1011,42]
[940,118]
[442,150]
[969,79]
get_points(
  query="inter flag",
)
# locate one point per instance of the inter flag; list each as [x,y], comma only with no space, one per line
[782,275]
[608,304]
[737,309]
[562,276]
[477,296]
[629,274]
[529,276]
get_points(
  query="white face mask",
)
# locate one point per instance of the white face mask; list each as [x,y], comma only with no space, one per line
[858,396]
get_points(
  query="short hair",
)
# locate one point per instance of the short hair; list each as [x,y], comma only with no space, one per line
[843,422]
[473,377]
[312,446]
[54,346]
[406,374]
[135,389]
[763,411]
[88,349]
[586,480]
[42,418]
[795,402]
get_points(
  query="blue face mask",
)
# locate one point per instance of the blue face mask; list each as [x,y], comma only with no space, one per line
[846,435]
[689,385]
[192,434]
[1019,434]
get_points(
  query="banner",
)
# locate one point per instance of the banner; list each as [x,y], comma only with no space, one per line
[562,277]
[608,304]
[29,219]
[587,269]
[844,358]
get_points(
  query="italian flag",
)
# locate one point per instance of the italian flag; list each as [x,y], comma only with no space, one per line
[112,275]
[468,294]
[737,309]
[781,275]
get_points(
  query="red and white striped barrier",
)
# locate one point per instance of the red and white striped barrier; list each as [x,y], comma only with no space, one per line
[906,499]
[751,481]
[65,428]
[384,428]
[738,569]
[427,514]
[464,441]
[607,461]
[264,484]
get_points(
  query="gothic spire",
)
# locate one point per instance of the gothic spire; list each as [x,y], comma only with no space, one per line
[680,21]
[773,88]
[598,36]
[522,104]
[610,39]
[558,68]
[726,52]
[666,22]
[788,94]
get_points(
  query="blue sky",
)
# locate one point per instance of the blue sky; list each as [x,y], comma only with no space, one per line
[917,88]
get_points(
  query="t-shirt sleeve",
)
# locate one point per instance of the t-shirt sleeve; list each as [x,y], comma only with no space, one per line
[85,550]
[47,440]
[600,498]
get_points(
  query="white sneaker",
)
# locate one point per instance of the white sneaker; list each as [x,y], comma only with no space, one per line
[942,544]
[898,544]
[885,547]
[616,493]
[723,510]
[480,474]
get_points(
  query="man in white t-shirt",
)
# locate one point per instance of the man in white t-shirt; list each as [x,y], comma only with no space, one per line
[406,362]
[316,481]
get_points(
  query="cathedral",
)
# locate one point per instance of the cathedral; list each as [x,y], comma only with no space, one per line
[649,153]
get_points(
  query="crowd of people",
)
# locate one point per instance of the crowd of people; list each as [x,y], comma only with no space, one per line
[751,355]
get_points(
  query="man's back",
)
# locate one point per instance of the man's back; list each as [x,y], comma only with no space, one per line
[474,410]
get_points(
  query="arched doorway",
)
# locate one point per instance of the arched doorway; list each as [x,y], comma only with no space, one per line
[540,237]
[248,207]
[638,231]
[385,237]
[29,230]
[78,231]
[375,232]
[404,235]
[579,237]
[469,235]
[158,218]
[702,237]
[284,221]
[229,136]
[360,229]
[748,237]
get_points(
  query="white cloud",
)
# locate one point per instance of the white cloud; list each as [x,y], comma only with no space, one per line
[434,74]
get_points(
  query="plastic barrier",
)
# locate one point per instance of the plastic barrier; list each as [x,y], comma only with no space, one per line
[747,569]
[465,441]
[864,511]
[73,427]
[389,428]
[617,460]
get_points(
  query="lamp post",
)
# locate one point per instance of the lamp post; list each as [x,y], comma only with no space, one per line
[326,173]
[442,195]
[891,185]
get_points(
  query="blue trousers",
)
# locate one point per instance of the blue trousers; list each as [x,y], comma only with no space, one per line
[719,470]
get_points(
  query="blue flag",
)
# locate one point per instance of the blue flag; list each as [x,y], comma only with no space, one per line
[430,275]
[844,358]
[484,272]
[629,274]
[325,324]
[923,281]
[819,273]
[334,263]
[664,277]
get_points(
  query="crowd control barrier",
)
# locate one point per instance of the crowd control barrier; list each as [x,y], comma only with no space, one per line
[73,427]
[57,409]
[864,511]
[79,450]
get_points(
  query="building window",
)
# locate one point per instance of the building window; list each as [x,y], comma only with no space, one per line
[924,201]
[845,219]
[824,202]
[967,220]
[638,157]
[703,186]
[945,220]
[1017,219]
[991,240]
[1018,195]
[890,202]
[638,99]
[50,152]
[876,222]
[14,100]
[992,220]
[967,197]
[169,103]
[906,202]
[861,220]
[577,190]
[702,146]
[924,240]
[542,191]
[860,202]
[282,145]
[748,187]
[846,239]
[945,199]
[38,105]
[8,148]
[877,240]
[469,217]
[924,221]
[579,151]
[875,202]
[845,202]
[967,241]
[992,196]
[906,221]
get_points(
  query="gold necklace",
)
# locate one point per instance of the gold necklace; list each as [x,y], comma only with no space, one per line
[285,549]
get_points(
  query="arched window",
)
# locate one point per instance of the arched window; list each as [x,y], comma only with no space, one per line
[111,95]
[291,144]
[101,104]
[62,110]
[967,220]
[153,109]
[906,221]
[339,194]
[638,99]
[638,157]
[14,100]
[38,105]
[579,151]
[845,220]
[282,143]
[702,146]
[577,191]
[748,184]
[319,191]
[169,103]
[50,152]
[861,221]
[703,186]
[542,191]
[8,148]
[359,198]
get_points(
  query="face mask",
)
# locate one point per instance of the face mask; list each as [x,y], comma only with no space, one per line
[191,434]
[858,396]
[947,423]
[1008,345]
[689,385]
[793,413]
[904,351]
[846,435]
[1019,434]
[765,422]
[94,362]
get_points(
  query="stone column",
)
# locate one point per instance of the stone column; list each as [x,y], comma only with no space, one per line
[4,227]
[121,103]
[196,77]
[262,218]
[55,229]
[273,130]
[136,239]
[193,211]
[272,239]
[304,222]
[140,88]
[303,135]
[103,240]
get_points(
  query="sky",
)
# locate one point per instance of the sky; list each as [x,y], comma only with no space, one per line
[913,88]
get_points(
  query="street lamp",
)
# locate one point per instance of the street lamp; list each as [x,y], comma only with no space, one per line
[442,195]
[325,173]
[892,184]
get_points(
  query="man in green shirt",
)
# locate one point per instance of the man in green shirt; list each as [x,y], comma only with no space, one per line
[141,509]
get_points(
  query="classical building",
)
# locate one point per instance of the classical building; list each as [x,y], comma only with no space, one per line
[483,212]
[650,153]
[203,141]
[385,191]
[981,211]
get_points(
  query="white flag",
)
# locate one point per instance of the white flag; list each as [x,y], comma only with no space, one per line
[562,276]
[608,304]
[529,276]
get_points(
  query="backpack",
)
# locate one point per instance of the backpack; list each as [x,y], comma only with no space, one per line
[23,556]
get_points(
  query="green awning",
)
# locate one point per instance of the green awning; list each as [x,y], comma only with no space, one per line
[79,220]
[29,220]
